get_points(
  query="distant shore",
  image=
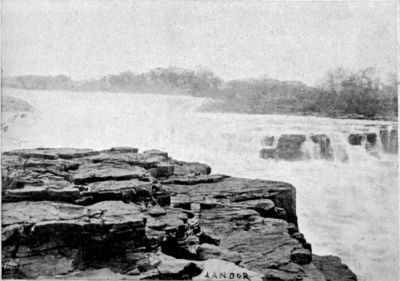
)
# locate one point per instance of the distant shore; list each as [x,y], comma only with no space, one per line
[357,96]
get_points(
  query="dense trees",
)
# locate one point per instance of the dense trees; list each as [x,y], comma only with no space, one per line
[340,92]
[364,93]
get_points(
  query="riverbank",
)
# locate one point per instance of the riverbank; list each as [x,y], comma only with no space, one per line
[146,215]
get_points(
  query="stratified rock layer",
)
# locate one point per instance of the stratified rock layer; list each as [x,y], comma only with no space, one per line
[118,213]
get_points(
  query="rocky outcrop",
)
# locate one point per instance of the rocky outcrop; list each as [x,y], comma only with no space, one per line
[288,147]
[120,214]
[268,153]
[355,139]
[292,147]
[388,139]
[110,232]
[230,190]
[333,269]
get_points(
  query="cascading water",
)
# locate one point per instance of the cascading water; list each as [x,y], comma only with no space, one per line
[342,147]
[347,205]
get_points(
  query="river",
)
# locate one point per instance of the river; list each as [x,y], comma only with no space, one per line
[348,209]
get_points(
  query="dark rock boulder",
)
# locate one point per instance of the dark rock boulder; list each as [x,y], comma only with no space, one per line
[355,139]
[371,138]
[333,269]
[267,153]
[371,144]
[289,147]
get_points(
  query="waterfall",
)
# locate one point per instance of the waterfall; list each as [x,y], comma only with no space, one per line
[367,144]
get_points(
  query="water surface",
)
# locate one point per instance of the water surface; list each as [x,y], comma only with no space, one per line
[348,209]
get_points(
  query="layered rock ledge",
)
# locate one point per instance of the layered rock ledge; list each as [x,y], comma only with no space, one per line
[120,214]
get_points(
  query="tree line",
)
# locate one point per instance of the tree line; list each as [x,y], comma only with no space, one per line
[339,93]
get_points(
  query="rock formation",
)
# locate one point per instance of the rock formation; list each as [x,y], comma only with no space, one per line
[293,147]
[13,110]
[118,213]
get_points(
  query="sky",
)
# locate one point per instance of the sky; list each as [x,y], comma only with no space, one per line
[236,39]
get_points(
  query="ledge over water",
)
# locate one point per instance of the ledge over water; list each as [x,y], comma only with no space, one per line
[117,213]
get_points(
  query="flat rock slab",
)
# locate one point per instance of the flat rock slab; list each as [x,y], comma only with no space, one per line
[66,193]
[89,173]
[146,161]
[53,153]
[103,215]
[113,185]
[126,190]
[155,152]
[124,149]
[55,164]
[106,231]
[234,190]
[191,180]
[33,212]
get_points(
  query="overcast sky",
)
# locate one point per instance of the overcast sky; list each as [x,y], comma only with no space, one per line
[291,41]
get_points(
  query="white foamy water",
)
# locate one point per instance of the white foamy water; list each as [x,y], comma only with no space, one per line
[348,209]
